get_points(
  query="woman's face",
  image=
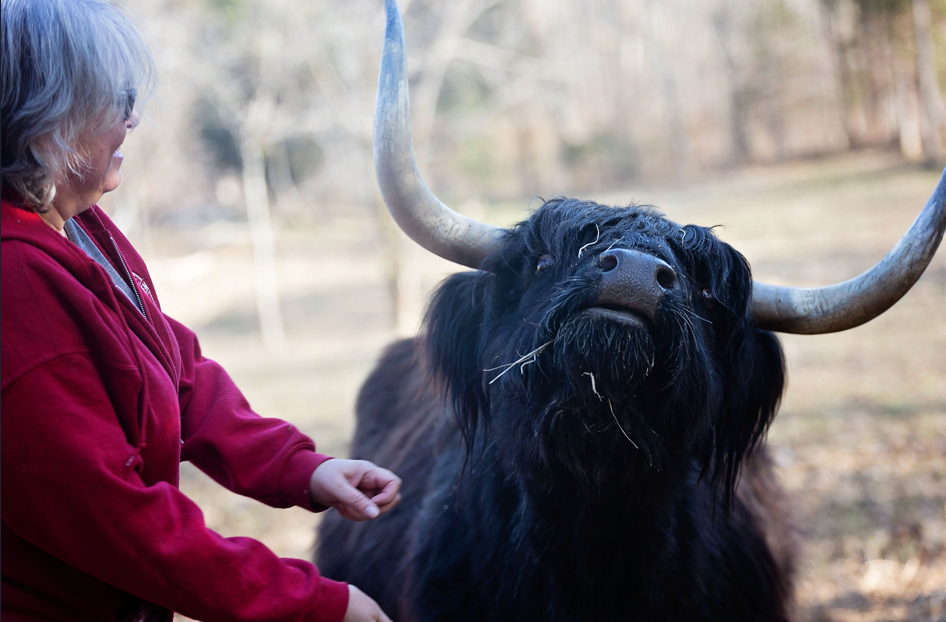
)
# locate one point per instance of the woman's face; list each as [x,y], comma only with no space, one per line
[102,172]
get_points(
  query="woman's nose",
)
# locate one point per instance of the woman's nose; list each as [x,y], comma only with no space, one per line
[133,120]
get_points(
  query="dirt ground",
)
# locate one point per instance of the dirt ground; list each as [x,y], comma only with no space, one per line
[861,437]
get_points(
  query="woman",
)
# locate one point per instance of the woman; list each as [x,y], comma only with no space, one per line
[103,395]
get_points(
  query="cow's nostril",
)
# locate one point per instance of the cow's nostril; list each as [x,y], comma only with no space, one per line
[607,262]
[666,277]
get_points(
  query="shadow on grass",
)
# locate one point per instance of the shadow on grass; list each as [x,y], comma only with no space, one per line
[923,608]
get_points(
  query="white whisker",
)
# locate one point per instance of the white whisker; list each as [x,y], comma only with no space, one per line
[521,360]
[613,243]
[522,368]
[619,426]
[597,237]
[593,387]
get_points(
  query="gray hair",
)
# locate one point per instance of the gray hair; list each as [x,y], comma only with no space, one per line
[66,65]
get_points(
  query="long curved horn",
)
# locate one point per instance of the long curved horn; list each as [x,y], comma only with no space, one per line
[414,207]
[834,308]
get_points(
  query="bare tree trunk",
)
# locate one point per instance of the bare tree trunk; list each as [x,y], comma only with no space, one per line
[410,292]
[835,68]
[264,243]
[908,114]
[683,162]
[739,141]
[255,130]
[457,19]
[400,257]
[390,256]
[931,102]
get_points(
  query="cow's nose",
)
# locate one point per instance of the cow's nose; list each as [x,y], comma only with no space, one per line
[634,280]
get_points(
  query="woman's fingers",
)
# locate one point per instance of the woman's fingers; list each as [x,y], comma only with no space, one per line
[358,489]
[382,486]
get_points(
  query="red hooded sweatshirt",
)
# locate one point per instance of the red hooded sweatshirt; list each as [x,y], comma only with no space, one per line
[99,406]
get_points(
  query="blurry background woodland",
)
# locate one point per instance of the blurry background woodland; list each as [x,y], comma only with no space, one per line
[813,130]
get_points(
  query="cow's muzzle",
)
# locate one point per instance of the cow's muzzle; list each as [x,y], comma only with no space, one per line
[633,281]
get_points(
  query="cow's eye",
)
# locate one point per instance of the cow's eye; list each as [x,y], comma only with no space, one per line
[708,299]
[545,261]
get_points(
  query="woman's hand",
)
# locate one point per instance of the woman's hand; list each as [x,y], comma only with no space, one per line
[361,608]
[358,489]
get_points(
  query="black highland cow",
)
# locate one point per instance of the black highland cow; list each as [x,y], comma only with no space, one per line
[625,385]
[580,425]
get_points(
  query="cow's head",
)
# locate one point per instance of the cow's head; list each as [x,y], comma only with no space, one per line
[603,342]
[607,340]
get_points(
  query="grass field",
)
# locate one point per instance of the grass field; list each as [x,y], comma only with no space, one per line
[861,437]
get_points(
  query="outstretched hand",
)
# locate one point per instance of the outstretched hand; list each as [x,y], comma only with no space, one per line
[358,489]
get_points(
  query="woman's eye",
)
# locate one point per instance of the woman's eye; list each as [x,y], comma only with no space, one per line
[545,261]
[708,299]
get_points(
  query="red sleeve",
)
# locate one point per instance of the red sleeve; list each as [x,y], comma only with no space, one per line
[67,489]
[266,459]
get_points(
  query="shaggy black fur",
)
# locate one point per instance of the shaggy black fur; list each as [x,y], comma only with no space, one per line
[597,480]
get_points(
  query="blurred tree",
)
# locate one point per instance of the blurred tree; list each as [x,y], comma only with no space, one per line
[513,98]
[526,96]
[259,115]
[888,74]
[933,113]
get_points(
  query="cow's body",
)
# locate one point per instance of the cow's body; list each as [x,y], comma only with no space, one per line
[600,566]
[539,516]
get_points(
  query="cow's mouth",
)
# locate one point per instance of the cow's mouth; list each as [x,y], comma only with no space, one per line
[619,314]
